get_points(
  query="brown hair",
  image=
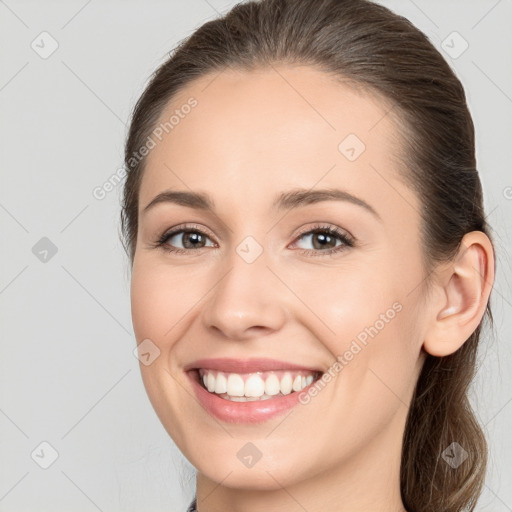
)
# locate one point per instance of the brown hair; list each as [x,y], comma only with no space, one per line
[366,44]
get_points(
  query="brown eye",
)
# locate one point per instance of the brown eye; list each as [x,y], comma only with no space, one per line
[321,240]
[189,239]
[325,240]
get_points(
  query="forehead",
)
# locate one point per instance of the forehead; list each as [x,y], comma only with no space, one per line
[254,132]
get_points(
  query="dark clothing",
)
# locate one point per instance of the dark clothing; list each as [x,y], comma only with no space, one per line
[192,506]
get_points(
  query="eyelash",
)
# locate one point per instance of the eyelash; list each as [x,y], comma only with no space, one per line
[346,240]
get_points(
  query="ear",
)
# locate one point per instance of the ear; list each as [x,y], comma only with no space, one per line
[462,290]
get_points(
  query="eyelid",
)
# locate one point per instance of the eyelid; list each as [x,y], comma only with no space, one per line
[187,227]
[326,226]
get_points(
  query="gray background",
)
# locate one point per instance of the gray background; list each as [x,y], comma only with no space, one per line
[68,376]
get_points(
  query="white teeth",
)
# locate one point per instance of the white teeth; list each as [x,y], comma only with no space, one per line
[297,383]
[210,384]
[232,386]
[221,384]
[235,386]
[286,384]
[238,399]
[272,385]
[244,398]
[254,386]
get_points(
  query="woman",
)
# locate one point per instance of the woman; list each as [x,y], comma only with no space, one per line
[311,264]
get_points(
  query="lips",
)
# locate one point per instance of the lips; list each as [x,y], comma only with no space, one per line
[256,411]
[243,412]
[247,365]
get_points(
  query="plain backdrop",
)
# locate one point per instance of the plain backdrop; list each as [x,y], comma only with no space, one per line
[71,395]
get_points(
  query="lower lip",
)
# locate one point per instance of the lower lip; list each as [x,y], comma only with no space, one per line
[256,411]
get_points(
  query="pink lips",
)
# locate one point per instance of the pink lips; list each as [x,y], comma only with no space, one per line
[246,365]
[244,412]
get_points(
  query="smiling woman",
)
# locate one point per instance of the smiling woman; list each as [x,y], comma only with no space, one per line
[313,227]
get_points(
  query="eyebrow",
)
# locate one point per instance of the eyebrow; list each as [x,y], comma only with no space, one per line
[284,201]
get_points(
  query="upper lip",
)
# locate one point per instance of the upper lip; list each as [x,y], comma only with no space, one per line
[246,365]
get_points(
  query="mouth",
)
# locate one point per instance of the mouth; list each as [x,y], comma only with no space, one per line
[250,390]
[254,386]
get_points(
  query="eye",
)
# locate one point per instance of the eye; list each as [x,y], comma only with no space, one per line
[324,239]
[190,237]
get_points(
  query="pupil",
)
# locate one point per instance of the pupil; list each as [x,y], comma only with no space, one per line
[324,239]
[192,237]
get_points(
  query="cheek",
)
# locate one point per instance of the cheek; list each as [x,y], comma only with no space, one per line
[369,324]
[165,297]
[159,298]
[347,300]
[147,316]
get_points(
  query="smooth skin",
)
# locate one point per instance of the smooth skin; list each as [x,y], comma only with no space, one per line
[252,136]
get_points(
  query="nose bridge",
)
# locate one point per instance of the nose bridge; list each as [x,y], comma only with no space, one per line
[246,296]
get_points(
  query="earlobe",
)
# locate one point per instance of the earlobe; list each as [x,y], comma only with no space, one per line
[463,290]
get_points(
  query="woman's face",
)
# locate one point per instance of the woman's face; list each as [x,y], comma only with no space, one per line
[251,281]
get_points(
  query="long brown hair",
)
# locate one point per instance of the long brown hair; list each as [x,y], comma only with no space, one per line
[366,44]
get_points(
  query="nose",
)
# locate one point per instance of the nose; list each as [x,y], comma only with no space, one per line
[247,302]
